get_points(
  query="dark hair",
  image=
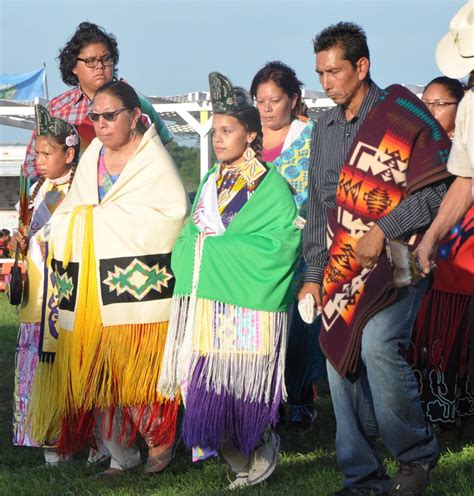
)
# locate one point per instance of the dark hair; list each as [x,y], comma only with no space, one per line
[86,34]
[250,119]
[347,36]
[61,141]
[283,76]
[39,183]
[454,87]
[42,179]
[470,81]
[127,95]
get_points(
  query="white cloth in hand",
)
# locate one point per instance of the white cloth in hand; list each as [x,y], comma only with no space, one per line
[307,310]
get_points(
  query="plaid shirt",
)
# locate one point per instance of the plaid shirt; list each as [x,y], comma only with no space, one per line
[72,106]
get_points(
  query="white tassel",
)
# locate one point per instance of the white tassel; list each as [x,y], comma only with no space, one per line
[168,384]
[177,355]
[245,349]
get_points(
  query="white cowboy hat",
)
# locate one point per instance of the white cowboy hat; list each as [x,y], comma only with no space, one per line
[455,51]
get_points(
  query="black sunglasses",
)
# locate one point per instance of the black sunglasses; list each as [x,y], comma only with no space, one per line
[109,116]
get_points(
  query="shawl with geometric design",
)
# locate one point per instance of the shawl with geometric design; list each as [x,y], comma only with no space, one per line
[293,161]
[226,343]
[111,264]
[135,227]
[399,149]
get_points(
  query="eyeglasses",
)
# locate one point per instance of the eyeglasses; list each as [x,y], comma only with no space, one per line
[109,116]
[93,62]
[441,104]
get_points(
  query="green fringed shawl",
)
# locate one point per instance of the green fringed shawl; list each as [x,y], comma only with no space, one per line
[252,263]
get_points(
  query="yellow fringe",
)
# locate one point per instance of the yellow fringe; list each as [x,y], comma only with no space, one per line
[53,389]
[125,366]
[98,366]
[44,422]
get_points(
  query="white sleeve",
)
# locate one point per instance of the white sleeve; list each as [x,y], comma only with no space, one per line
[461,157]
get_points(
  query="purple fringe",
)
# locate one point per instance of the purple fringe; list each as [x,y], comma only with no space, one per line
[213,420]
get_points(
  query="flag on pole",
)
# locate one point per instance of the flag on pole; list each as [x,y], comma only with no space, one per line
[24,86]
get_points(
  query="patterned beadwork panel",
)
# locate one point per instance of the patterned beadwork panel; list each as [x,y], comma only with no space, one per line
[66,281]
[132,279]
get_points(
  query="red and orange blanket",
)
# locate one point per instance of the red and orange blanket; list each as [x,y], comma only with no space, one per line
[399,149]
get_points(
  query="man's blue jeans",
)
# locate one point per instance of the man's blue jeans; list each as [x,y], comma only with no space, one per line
[383,400]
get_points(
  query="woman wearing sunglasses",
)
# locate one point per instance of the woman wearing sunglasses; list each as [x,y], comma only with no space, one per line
[111,249]
[87,61]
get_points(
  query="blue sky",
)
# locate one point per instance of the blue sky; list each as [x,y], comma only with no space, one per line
[169,46]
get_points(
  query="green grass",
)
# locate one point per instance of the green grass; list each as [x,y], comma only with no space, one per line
[307,465]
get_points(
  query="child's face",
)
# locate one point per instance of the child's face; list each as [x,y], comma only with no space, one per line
[229,138]
[51,158]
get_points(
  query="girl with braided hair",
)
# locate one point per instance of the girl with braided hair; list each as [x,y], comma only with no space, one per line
[233,262]
[57,152]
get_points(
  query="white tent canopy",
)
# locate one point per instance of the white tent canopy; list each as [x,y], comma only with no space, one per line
[184,114]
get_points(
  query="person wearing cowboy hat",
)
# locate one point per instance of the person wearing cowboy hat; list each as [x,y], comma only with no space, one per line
[455,58]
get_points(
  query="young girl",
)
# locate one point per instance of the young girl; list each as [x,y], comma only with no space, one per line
[57,150]
[233,263]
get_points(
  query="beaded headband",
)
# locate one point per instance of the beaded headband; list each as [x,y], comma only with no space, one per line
[225,97]
[53,126]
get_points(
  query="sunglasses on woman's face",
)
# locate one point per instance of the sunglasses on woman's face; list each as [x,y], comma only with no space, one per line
[109,116]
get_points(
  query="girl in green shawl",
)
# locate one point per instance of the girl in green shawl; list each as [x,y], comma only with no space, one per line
[234,262]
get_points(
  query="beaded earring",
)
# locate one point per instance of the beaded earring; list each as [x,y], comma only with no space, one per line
[249,154]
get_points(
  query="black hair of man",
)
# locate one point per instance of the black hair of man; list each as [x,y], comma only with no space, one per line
[347,36]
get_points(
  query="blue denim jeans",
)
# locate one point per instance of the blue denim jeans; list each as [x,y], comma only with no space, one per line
[383,400]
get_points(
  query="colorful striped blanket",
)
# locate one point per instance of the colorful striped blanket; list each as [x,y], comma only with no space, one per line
[399,149]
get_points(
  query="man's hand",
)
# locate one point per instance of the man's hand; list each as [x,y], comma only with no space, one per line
[315,289]
[426,252]
[370,246]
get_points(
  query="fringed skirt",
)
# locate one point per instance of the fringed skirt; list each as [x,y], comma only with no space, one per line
[229,362]
[117,371]
[101,368]
[440,357]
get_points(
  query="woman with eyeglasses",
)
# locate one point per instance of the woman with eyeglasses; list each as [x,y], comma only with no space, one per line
[441,334]
[442,96]
[110,249]
[87,61]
